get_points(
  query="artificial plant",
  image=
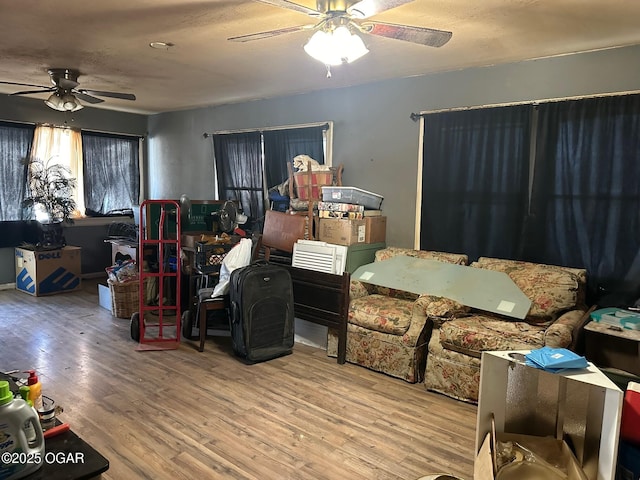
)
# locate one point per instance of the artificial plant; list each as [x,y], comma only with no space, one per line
[50,189]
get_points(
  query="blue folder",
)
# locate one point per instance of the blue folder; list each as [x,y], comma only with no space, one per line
[555,360]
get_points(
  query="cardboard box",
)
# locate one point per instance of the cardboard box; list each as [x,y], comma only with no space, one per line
[375,229]
[48,272]
[343,231]
[555,452]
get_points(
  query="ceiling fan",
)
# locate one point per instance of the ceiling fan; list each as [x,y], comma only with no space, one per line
[335,40]
[65,94]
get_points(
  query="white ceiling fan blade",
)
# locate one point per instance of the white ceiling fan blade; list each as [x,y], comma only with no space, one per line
[421,35]
[292,6]
[270,33]
[368,8]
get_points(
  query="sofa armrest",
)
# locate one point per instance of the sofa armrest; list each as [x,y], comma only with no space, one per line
[438,309]
[358,289]
[435,306]
[563,332]
[433,309]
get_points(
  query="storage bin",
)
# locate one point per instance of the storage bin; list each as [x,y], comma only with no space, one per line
[355,195]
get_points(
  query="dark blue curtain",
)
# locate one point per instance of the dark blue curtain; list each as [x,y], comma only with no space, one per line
[585,208]
[15,147]
[475,181]
[111,172]
[280,146]
[238,160]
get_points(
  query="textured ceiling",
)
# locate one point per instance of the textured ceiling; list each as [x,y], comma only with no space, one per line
[108,42]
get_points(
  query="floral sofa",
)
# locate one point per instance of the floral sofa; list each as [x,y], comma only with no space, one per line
[388,329]
[554,319]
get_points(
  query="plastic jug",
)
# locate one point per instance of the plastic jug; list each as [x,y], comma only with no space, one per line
[19,455]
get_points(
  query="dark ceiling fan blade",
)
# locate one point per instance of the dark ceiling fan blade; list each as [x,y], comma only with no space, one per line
[368,8]
[99,93]
[23,84]
[421,35]
[85,97]
[270,33]
[66,83]
[29,92]
[292,6]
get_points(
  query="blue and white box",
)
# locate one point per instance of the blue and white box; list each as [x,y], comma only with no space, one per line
[46,272]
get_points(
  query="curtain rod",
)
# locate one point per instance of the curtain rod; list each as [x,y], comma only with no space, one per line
[46,124]
[416,116]
[325,125]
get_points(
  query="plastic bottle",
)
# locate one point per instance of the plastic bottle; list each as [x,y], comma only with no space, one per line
[24,457]
[35,390]
[28,427]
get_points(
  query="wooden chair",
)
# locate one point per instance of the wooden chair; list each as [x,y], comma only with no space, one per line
[281,230]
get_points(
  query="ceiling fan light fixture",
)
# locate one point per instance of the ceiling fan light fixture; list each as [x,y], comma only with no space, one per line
[55,101]
[65,102]
[70,103]
[335,47]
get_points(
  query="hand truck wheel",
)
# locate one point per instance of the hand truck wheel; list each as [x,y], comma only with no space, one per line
[135,326]
[187,325]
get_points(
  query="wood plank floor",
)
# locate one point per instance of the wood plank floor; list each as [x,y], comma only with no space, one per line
[182,414]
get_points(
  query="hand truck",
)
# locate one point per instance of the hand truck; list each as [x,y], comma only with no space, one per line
[156,325]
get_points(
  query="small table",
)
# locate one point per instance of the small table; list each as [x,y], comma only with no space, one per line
[610,346]
[68,457]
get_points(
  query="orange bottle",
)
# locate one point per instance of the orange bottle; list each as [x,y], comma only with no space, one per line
[35,390]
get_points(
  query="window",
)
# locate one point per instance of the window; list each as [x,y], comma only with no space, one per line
[111,165]
[105,166]
[563,191]
[15,147]
[585,205]
[249,163]
[62,146]
[474,180]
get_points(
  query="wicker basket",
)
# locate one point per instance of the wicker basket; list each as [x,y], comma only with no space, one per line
[124,298]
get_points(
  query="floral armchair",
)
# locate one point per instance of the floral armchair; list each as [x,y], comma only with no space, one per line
[387,329]
[554,319]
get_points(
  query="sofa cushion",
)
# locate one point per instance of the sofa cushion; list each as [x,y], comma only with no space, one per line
[551,289]
[476,333]
[381,313]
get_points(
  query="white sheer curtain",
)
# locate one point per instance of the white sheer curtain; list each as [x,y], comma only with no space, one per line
[64,146]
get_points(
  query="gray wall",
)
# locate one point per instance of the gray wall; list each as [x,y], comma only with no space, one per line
[374,136]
